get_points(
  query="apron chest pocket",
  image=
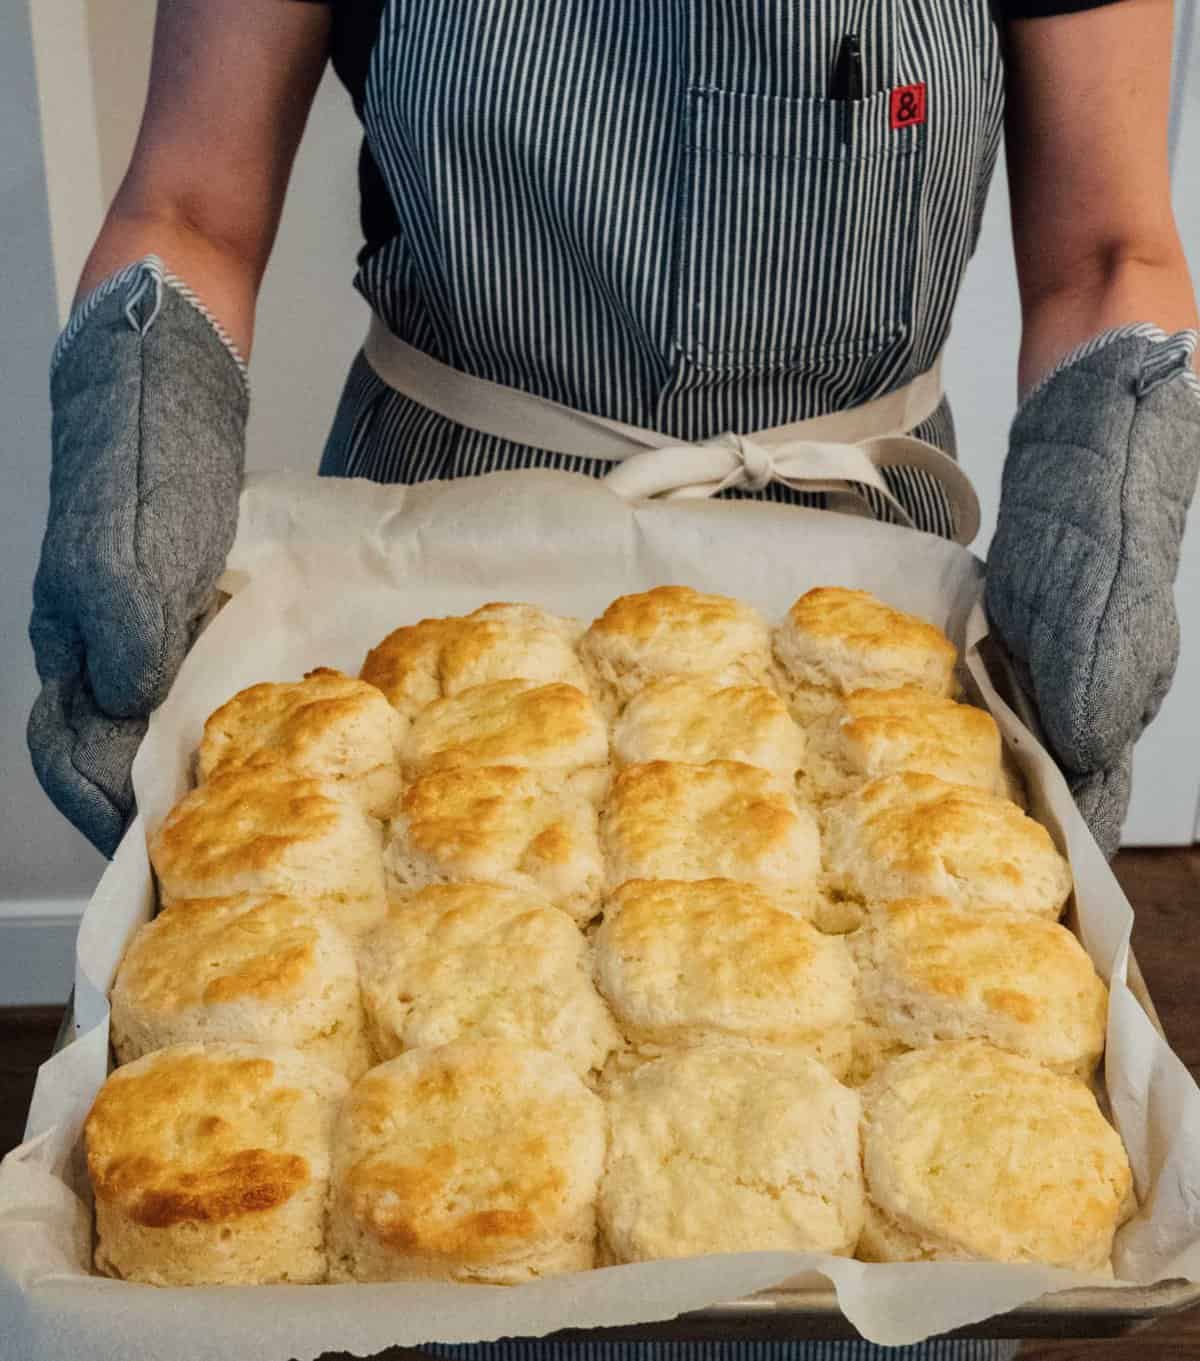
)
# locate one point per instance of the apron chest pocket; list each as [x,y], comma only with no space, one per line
[798,230]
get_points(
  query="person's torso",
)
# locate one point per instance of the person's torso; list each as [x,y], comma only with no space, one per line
[656,212]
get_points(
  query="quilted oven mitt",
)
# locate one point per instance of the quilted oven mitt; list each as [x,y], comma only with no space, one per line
[1102,465]
[149,403]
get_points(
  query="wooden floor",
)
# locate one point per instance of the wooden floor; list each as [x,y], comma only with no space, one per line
[1164,887]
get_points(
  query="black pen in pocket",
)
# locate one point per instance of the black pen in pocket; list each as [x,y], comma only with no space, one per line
[847,82]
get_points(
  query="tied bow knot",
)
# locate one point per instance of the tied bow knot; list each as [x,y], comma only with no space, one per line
[740,462]
[707,467]
[757,468]
[842,471]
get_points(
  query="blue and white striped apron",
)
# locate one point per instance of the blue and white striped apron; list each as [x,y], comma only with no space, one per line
[650,210]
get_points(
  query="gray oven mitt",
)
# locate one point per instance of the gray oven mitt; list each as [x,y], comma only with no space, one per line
[150,402]
[1102,464]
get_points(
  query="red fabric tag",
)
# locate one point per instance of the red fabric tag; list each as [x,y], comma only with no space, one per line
[908,106]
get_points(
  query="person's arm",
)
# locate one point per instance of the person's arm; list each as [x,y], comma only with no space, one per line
[231,85]
[149,394]
[1086,143]
[1104,450]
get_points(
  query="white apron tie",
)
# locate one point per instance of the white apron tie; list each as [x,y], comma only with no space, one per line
[839,454]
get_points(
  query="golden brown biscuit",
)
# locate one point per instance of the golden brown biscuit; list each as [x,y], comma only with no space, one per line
[478,1161]
[685,963]
[915,836]
[263,831]
[675,631]
[929,971]
[477,961]
[883,732]
[834,641]
[721,820]
[421,663]
[694,719]
[973,1153]
[502,825]
[729,1149]
[327,727]
[261,970]
[210,1166]
[553,728]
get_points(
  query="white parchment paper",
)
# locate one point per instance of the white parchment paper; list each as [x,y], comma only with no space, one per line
[322,570]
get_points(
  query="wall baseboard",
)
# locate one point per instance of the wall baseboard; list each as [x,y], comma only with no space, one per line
[37,950]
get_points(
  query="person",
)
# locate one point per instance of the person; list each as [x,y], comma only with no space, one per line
[690,219]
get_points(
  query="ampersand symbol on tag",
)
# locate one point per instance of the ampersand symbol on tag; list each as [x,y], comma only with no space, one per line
[907,106]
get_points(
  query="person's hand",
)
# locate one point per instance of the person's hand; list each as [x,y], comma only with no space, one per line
[1102,465]
[150,406]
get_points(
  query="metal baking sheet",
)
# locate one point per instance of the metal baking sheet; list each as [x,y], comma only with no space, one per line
[814,1314]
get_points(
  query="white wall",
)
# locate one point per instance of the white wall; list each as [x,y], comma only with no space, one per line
[42,859]
[1166,768]
[118,40]
[41,856]
[310,321]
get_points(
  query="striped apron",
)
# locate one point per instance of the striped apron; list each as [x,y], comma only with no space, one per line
[651,210]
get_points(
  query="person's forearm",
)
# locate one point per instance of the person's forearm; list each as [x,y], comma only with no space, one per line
[1088,97]
[1129,286]
[220,277]
[231,84]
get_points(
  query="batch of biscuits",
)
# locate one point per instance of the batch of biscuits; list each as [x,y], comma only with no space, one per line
[538,948]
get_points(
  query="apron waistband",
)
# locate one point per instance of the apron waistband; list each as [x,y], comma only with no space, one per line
[837,454]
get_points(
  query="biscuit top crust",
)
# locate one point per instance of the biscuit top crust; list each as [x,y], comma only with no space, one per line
[327,724]
[421,663]
[927,964]
[875,732]
[251,950]
[246,821]
[696,719]
[470,1152]
[675,630]
[913,835]
[847,640]
[238,828]
[463,816]
[512,722]
[714,955]
[210,1133]
[726,1148]
[723,819]
[994,1156]
[481,960]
